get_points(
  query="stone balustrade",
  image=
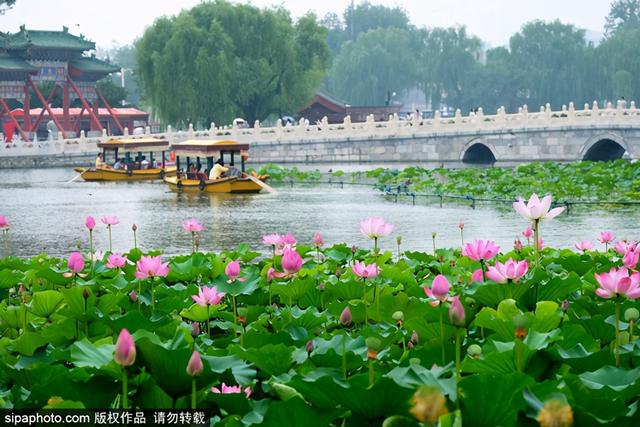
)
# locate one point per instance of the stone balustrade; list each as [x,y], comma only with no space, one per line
[394,128]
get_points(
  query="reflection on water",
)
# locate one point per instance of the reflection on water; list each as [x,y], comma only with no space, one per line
[47,214]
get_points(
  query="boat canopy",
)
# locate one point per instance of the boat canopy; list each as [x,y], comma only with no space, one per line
[208,148]
[136,145]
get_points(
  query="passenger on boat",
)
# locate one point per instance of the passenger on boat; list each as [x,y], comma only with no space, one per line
[201,175]
[99,162]
[191,172]
[218,170]
[119,164]
[233,171]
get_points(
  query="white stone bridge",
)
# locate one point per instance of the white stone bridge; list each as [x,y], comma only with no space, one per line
[592,133]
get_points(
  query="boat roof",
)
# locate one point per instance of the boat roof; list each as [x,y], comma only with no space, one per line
[207,147]
[136,145]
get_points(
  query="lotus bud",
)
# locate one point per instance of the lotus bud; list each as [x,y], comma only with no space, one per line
[195,329]
[90,222]
[555,413]
[410,345]
[433,234]
[456,312]
[242,315]
[345,317]
[194,367]
[414,337]
[133,296]
[631,314]
[521,332]
[134,228]
[461,225]
[353,249]
[428,405]
[565,305]
[517,245]
[398,240]
[85,293]
[21,290]
[309,347]
[321,286]
[125,352]
[373,345]
[474,351]
[338,272]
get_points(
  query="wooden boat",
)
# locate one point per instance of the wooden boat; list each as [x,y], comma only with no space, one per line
[192,152]
[136,166]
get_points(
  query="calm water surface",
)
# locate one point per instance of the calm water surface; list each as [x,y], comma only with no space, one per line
[47,215]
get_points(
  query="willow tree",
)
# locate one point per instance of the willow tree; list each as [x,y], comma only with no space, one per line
[218,61]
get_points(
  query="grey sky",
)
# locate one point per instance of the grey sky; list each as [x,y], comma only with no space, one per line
[118,22]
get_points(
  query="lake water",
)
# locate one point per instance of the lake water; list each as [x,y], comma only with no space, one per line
[47,215]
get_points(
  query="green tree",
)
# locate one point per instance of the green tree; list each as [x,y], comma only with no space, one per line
[6,5]
[619,56]
[125,57]
[113,93]
[379,61]
[546,60]
[448,62]
[219,60]
[623,13]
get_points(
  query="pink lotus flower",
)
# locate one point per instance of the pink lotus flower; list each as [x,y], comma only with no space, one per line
[231,390]
[192,226]
[194,367]
[125,352]
[291,261]
[271,239]
[509,271]
[439,289]
[3,222]
[536,209]
[540,243]
[584,245]
[456,312]
[271,273]
[630,259]
[208,296]
[480,250]
[232,270]
[528,233]
[622,246]
[317,240]
[116,261]
[618,282]
[288,240]
[75,262]
[375,227]
[477,276]
[606,237]
[90,222]
[110,220]
[151,266]
[362,270]
[133,296]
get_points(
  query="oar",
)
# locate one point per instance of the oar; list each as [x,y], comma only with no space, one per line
[77,176]
[262,184]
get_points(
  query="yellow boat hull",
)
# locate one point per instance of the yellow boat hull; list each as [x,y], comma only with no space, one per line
[100,174]
[222,185]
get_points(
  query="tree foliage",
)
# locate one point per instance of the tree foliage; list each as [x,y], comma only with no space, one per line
[113,93]
[219,60]
[624,13]
[6,5]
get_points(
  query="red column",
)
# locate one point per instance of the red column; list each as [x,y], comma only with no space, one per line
[95,106]
[66,121]
[26,107]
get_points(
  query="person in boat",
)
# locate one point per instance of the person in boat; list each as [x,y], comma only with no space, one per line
[192,173]
[99,162]
[218,170]
[233,171]
[201,175]
[119,164]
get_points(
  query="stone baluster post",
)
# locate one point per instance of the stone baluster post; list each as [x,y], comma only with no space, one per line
[126,131]
[437,119]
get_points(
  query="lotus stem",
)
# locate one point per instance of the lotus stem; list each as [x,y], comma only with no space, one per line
[110,246]
[193,393]
[632,324]
[483,267]
[344,356]
[459,333]
[86,322]
[442,333]
[364,301]
[371,373]
[433,239]
[376,292]
[91,247]
[519,357]
[616,346]
[235,311]
[375,247]
[153,298]
[193,242]
[125,398]
[208,321]
[536,245]
[462,237]
[5,241]
[135,240]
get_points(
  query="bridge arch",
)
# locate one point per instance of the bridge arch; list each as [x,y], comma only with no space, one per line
[603,147]
[478,152]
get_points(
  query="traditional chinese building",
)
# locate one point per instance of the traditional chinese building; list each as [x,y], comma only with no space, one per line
[30,57]
[325,105]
